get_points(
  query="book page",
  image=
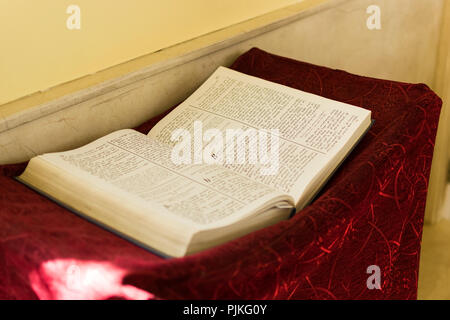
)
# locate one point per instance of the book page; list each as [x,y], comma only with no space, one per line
[296,134]
[129,163]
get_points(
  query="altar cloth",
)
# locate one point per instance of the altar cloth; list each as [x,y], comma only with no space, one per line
[369,214]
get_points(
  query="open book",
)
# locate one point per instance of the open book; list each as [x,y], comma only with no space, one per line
[240,154]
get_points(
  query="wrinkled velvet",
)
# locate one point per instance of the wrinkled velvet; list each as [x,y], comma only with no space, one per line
[370,213]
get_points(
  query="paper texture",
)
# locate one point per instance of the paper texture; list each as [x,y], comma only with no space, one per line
[311,129]
[129,162]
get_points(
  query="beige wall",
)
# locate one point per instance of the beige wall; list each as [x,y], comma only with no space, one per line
[441,158]
[404,49]
[38,51]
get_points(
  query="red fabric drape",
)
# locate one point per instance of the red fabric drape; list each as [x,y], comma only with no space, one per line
[370,213]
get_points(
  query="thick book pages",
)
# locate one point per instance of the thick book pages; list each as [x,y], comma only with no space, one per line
[238,155]
[314,133]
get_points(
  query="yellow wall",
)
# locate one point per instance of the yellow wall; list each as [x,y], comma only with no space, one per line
[37,51]
[441,156]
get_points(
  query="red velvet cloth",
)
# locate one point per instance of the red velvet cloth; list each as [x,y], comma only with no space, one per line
[370,213]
